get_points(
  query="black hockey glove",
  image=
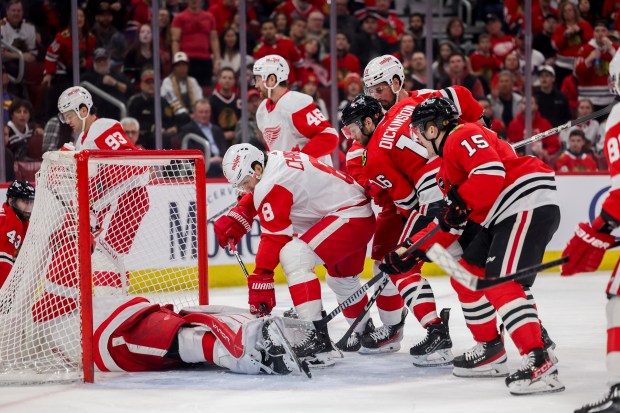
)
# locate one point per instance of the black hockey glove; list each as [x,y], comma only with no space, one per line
[393,263]
[454,212]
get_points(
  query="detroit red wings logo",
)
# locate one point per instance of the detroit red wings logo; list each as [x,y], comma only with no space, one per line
[236,162]
[271,134]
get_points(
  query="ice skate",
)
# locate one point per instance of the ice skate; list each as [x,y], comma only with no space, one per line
[549,345]
[315,348]
[610,403]
[354,343]
[435,349]
[483,360]
[385,339]
[537,375]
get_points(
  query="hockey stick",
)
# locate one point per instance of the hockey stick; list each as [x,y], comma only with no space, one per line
[444,259]
[322,323]
[231,247]
[341,344]
[223,211]
[567,125]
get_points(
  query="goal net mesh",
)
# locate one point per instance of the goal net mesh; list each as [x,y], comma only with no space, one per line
[143,221]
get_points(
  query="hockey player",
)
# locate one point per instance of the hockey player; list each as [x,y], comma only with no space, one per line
[132,334]
[310,213]
[587,247]
[289,121]
[514,199]
[113,191]
[399,164]
[14,219]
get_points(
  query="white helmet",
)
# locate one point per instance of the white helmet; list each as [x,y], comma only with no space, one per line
[238,160]
[383,69]
[614,74]
[72,99]
[272,64]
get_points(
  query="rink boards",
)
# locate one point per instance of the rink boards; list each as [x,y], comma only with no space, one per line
[580,198]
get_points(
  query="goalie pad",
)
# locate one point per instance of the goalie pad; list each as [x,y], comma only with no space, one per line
[585,250]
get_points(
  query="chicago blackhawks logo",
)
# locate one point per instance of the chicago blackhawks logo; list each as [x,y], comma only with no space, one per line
[271,134]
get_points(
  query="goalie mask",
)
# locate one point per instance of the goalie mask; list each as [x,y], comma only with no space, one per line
[71,100]
[238,163]
[20,197]
[436,111]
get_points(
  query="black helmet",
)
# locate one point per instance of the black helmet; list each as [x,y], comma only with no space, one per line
[359,108]
[21,190]
[439,110]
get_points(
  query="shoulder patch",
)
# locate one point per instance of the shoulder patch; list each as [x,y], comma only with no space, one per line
[364,157]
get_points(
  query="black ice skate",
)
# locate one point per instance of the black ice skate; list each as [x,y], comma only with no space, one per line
[610,403]
[277,353]
[435,349]
[549,345]
[537,375]
[354,343]
[483,360]
[385,339]
[315,348]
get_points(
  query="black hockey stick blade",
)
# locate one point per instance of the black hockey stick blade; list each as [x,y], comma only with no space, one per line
[341,344]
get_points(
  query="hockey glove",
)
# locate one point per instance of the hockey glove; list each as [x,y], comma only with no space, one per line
[585,250]
[262,297]
[233,225]
[454,212]
[379,195]
[400,261]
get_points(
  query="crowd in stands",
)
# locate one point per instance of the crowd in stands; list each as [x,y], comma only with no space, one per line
[200,64]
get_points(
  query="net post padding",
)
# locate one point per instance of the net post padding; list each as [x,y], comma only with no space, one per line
[150,208]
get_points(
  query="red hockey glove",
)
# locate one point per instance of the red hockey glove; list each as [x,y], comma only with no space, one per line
[395,262]
[262,297]
[380,195]
[235,225]
[585,250]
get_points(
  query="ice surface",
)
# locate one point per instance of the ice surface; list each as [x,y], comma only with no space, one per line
[572,310]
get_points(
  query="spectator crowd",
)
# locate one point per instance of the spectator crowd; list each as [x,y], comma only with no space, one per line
[200,64]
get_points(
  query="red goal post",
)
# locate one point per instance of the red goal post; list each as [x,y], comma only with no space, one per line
[133,203]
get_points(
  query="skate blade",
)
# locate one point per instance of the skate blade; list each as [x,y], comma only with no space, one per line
[319,361]
[436,359]
[489,370]
[290,359]
[546,384]
[389,348]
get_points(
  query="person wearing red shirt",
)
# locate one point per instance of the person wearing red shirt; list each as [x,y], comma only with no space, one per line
[194,31]
[545,149]
[514,199]
[569,36]
[346,62]
[592,67]
[390,27]
[501,43]
[294,9]
[270,44]
[14,219]
[483,62]
[574,159]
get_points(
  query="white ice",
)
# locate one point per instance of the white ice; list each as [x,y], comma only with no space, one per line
[572,309]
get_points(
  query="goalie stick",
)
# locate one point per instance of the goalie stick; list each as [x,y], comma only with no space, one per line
[564,126]
[444,259]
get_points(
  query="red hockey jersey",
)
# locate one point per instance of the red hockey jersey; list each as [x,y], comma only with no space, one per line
[12,233]
[612,154]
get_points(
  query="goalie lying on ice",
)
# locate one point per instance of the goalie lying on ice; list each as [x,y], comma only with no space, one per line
[132,334]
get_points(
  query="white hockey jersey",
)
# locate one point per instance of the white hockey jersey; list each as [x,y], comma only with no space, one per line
[293,122]
[104,134]
[296,191]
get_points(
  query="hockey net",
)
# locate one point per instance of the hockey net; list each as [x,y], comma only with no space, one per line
[145,214]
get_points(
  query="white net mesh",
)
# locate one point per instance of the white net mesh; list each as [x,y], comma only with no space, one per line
[144,212]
